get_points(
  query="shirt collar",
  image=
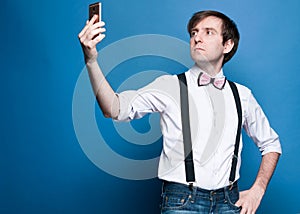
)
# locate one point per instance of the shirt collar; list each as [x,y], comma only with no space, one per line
[195,70]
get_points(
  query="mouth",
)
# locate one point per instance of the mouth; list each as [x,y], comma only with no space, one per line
[199,49]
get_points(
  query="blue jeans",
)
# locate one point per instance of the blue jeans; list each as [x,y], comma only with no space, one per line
[179,199]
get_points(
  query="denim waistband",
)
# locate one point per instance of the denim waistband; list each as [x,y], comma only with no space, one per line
[221,192]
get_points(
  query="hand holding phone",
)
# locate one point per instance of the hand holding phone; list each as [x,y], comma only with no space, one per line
[95,9]
[91,31]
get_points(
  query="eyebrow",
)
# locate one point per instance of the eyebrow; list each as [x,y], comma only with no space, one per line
[205,28]
[212,29]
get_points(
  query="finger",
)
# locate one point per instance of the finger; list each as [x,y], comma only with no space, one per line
[82,37]
[96,40]
[82,32]
[88,24]
[94,32]
[90,29]
[92,42]
[93,19]
[238,203]
[102,30]
[97,25]
[249,211]
[243,211]
[84,29]
[99,38]
[88,34]
[101,23]
[243,193]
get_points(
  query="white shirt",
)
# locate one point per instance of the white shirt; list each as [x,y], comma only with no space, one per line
[213,121]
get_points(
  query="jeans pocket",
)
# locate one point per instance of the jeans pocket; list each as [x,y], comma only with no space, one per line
[174,200]
[231,199]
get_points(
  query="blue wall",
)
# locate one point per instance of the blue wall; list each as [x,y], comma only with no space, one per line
[43,168]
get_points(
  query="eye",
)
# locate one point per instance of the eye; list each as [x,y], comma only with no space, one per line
[209,32]
[193,33]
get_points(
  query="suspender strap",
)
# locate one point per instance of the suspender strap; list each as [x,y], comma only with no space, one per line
[186,131]
[238,133]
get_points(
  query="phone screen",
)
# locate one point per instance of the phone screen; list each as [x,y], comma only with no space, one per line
[95,9]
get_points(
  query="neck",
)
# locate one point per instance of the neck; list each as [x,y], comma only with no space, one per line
[209,68]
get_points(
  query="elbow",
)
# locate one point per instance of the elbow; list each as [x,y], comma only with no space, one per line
[107,115]
[110,114]
[110,109]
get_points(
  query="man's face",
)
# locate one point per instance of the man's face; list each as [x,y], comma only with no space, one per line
[206,43]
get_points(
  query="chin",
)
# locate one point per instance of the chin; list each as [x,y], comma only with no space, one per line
[199,59]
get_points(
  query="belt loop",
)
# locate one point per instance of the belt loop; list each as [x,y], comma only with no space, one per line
[231,185]
[191,186]
[163,186]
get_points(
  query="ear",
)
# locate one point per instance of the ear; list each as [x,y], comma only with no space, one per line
[228,46]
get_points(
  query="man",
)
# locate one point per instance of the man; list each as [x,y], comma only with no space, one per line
[216,108]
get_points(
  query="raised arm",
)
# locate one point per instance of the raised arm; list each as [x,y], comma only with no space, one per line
[89,37]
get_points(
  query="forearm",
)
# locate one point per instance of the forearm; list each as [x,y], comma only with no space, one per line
[89,37]
[250,199]
[266,170]
[105,95]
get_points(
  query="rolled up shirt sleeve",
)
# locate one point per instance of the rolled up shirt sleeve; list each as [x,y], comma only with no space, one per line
[154,97]
[259,130]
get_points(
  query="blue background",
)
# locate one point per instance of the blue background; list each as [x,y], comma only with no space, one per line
[42,166]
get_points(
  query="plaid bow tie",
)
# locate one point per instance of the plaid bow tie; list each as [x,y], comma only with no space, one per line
[204,79]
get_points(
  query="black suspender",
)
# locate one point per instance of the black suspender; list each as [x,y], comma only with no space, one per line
[239,129]
[186,132]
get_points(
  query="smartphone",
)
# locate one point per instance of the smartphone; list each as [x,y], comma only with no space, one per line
[95,9]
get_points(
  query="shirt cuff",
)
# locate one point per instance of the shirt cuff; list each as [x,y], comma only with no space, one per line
[125,100]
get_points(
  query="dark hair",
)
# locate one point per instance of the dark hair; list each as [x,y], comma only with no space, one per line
[229,30]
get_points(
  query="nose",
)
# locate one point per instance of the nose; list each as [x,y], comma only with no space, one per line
[197,38]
